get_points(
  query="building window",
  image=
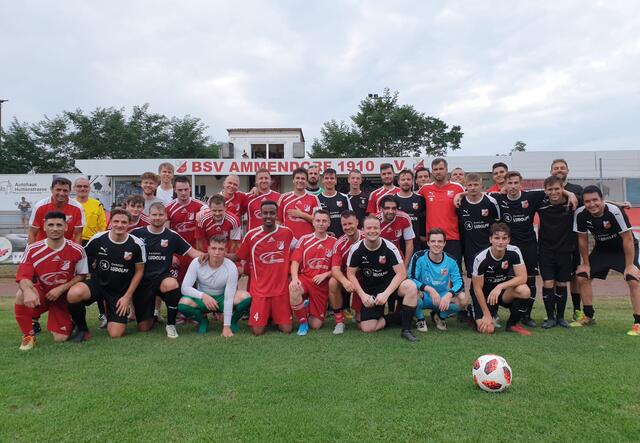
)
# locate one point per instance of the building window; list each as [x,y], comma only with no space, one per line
[276,150]
[259,151]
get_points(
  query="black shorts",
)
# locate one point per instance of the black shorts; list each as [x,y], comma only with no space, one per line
[530,255]
[453,248]
[476,310]
[144,299]
[374,313]
[556,266]
[602,261]
[470,253]
[99,294]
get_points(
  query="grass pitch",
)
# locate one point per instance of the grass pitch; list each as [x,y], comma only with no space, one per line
[578,384]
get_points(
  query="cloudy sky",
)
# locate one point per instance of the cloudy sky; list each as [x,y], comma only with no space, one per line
[556,74]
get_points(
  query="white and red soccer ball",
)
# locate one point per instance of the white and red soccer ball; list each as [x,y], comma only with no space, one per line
[492,373]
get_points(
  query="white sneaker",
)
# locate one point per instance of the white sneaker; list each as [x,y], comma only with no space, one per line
[441,325]
[171,331]
[103,321]
[338,329]
[421,326]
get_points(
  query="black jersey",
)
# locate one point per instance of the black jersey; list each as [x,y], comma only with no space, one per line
[518,214]
[606,229]
[375,266]
[359,205]
[160,249]
[556,227]
[415,208]
[496,271]
[576,189]
[475,221]
[115,263]
[335,205]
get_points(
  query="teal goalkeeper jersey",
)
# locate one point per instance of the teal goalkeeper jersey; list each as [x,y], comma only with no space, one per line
[423,271]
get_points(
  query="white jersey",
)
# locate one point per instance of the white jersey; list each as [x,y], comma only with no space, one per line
[212,281]
[164,196]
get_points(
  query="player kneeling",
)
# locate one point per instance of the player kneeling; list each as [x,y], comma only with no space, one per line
[117,259]
[55,264]
[310,272]
[436,277]
[376,270]
[499,278]
[216,289]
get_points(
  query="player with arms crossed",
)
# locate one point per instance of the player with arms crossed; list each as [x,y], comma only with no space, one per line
[435,278]
[55,264]
[118,259]
[216,281]
[615,248]
[267,250]
[161,243]
[310,272]
[499,279]
[376,271]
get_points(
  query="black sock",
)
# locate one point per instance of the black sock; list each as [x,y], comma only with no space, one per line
[531,282]
[636,318]
[346,301]
[575,299]
[101,308]
[518,309]
[171,299]
[407,316]
[78,313]
[549,298]
[561,301]
[393,319]
[589,311]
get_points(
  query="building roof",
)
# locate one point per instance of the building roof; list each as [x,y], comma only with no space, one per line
[230,130]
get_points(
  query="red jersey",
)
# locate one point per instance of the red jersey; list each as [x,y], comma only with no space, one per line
[494,188]
[73,211]
[52,267]
[306,202]
[228,227]
[237,204]
[399,228]
[253,207]
[440,210]
[341,250]
[374,198]
[268,256]
[313,255]
[182,218]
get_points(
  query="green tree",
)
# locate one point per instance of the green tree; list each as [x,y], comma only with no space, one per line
[518,146]
[384,128]
[187,139]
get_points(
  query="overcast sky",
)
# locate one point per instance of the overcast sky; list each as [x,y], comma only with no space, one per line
[556,74]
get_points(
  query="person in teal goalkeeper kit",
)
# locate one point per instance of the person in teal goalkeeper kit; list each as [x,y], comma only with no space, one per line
[437,279]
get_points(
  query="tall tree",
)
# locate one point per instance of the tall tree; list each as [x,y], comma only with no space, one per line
[383,128]
[518,146]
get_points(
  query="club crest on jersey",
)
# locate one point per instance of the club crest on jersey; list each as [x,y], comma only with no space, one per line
[444,271]
[505,264]
[68,218]
[329,253]
[280,245]
[398,233]
[339,203]
[382,259]
[65,265]
[128,255]
[449,194]
[307,208]
[164,243]
[606,224]
[485,212]
[414,205]
[191,216]
[525,204]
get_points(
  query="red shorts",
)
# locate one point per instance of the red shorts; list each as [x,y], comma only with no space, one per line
[179,273]
[59,319]
[318,295]
[277,308]
[356,302]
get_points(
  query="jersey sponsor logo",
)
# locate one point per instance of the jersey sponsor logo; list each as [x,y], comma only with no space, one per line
[485,212]
[318,264]
[103,249]
[382,259]
[606,224]
[257,213]
[164,243]
[185,227]
[54,278]
[65,265]
[468,225]
[128,255]
[508,218]
[104,265]
[271,258]
[525,204]
[505,264]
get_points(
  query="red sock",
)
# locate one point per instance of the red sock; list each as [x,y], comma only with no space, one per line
[300,311]
[23,318]
[339,316]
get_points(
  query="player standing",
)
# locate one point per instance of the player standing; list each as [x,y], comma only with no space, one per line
[217,221]
[499,279]
[235,201]
[313,179]
[149,183]
[296,208]
[457,176]
[94,215]
[216,281]
[615,248]
[423,176]
[262,193]
[54,264]
[376,271]
[165,191]
[395,226]
[310,272]
[498,173]
[160,243]
[413,205]
[387,175]
[134,205]
[333,201]
[358,199]
[119,260]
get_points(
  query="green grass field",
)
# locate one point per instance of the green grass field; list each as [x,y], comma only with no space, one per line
[568,385]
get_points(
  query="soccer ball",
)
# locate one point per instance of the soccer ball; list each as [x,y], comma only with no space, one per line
[492,373]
